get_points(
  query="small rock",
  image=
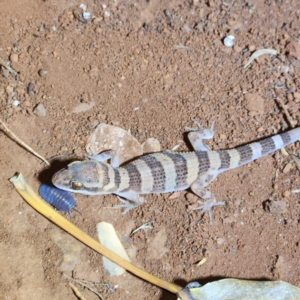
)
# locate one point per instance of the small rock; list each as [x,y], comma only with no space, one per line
[43,72]
[237,48]
[254,103]
[297,95]
[192,198]
[151,145]
[251,48]
[220,241]
[83,7]
[82,107]
[14,57]
[16,103]
[277,207]
[97,20]
[9,89]
[211,3]
[229,41]
[282,268]
[287,194]
[287,168]
[293,48]
[107,137]
[40,110]
[86,15]
[19,68]
[260,129]
[174,195]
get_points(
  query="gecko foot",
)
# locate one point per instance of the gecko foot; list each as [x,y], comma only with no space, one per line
[207,206]
[206,133]
[127,205]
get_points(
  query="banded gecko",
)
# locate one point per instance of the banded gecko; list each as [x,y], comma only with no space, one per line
[166,171]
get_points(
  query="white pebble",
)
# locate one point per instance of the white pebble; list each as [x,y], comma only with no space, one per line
[104,6]
[16,102]
[229,41]
[83,7]
[20,212]
[107,13]
[86,15]
[186,28]
[54,28]
[286,69]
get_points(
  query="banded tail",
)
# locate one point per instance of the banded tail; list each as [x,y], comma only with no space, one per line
[248,153]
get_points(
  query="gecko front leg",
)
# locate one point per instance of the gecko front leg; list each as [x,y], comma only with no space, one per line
[113,155]
[197,135]
[132,201]
[198,187]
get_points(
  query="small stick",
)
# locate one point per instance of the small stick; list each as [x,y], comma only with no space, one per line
[81,283]
[76,291]
[258,53]
[9,132]
[5,65]
[285,111]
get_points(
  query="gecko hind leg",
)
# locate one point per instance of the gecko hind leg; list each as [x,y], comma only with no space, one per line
[198,187]
[130,201]
[197,135]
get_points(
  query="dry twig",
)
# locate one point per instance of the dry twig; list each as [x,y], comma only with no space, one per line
[6,65]
[9,132]
[83,284]
[285,111]
[76,291]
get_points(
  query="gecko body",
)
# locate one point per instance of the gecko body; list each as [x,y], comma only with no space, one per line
[166,171]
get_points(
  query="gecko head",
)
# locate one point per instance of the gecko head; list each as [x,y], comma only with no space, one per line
[82,177]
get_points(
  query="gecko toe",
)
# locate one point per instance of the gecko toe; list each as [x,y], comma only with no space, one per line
[127,205]
[207,206]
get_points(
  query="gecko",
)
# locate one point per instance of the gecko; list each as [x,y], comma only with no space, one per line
[166,171]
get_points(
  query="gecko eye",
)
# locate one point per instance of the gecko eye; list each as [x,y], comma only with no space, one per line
[76,185]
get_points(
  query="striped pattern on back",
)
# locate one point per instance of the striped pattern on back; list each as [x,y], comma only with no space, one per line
[162,172]
[172,171]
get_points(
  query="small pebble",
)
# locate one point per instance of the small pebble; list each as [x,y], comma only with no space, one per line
[220,241]
[14,57]
[251,48]
[16,102]
[151,145]
[260,129]
[107,13]
[29,88]
[192,198]
[9,89]
[86,15]
[229,41]
[287,168]
[297,95]
[43,72]
[83,6]
[97,20]
[237,48]
[40,110]
[287,194]
[175,195]
[277,207]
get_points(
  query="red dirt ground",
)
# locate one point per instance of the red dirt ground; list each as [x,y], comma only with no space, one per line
[150,66]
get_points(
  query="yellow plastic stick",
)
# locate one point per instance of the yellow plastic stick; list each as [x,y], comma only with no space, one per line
[42,207]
